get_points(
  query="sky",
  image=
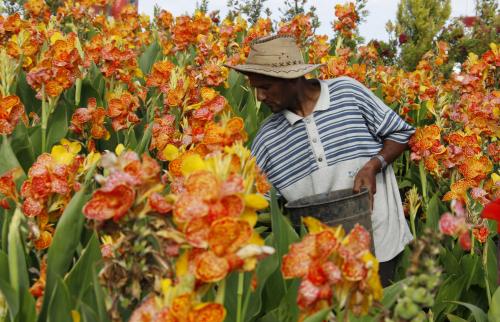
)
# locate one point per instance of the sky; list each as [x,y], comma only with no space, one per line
[379,12]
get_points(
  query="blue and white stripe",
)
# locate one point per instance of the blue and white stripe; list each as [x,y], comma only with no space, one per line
[353,125]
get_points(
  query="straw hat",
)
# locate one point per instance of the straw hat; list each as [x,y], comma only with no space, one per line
[276,56]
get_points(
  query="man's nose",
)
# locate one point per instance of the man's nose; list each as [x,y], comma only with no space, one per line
[260,95]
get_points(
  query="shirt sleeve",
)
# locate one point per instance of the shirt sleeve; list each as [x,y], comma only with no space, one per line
[260,152]
[383,123]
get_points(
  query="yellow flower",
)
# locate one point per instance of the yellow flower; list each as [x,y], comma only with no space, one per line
[171,152]
[75,316]
[91,159]
[65,152]
[191,164]
[249,216]
[495,177]
[55,37]
[119,149]
[256,201]
[181,266]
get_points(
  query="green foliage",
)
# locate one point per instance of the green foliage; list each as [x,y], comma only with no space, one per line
[472,34]
[250,9]
[418,21]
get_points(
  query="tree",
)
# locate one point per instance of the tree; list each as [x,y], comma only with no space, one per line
[418,22]
[472,34]
[252,9]
[293,8]
[202,6]
[12,6]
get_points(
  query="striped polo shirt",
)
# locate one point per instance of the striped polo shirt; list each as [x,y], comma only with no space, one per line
[304,156]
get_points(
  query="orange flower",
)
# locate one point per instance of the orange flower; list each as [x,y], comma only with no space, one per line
[8,186]
[299,26]
[210,267]
[228,234]
[11,110]
[163,134]
[121,110]
[92,115]
[331,267]
[347,19]
[476,168]
[217,136]
[48,177]
[160,75]
[458,190]
[110,203]
[481,233]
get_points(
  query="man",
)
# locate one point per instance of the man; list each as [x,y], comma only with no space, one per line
[328,135]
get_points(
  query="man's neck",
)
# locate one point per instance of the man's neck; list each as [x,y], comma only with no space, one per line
[307,95]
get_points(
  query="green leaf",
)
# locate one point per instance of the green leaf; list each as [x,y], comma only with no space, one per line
[450,263]
[99,297]
[8,159]
[491,264]
[264,271]
[286,234]
[319,316]
[58,124]
[80,276]
[64,243]
[23,146]
[478,314]
[454,318]
[149,57]
[450,290]
[391,293]
[6,289]
[471,266]
[18,271]
[433,212]
[60,304]
[27,95]
[494,312]
[146,138]
[89,91]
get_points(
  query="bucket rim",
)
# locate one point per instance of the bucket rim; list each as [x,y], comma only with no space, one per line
[291,205]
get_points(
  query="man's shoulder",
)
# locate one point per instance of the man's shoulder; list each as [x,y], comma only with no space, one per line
[267,129]
[342,80]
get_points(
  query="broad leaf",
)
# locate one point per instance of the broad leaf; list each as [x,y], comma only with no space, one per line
[64,243]
[319,316]
[478,314]
[494,312]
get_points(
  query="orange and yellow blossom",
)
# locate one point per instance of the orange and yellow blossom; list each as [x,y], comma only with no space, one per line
[334,269]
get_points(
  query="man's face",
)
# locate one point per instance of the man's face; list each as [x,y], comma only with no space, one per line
[274,92]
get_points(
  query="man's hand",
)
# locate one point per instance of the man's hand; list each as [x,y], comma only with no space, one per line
[366,178]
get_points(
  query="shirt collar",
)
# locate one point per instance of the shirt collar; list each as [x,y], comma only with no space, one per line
[322,104]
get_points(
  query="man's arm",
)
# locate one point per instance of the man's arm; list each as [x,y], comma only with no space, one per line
[366,176]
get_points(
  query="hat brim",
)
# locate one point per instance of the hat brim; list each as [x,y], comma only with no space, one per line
[290,71]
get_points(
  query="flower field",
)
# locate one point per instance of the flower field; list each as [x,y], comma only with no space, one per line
[128,191]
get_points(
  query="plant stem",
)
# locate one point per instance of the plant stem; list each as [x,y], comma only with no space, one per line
[486,277]
[241,279]
[221,292]
[412,225]
[423,181]
[45,119]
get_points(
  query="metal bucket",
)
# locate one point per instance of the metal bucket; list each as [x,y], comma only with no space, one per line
[340,207]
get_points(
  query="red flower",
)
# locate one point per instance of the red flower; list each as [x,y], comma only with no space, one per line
[492,211]
[465,240]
